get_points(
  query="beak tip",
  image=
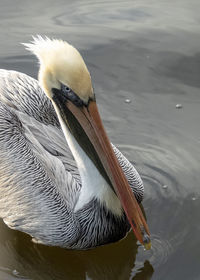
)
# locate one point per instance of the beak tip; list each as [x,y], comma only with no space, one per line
[147,242]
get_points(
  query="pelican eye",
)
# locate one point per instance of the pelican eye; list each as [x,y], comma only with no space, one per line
[66,89]
[72,96]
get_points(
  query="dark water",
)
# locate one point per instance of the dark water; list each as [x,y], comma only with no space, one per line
[148,52]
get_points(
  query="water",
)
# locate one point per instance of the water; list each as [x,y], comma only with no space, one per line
[144,58]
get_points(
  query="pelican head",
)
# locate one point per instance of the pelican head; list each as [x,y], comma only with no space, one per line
[61,64]
[66,80]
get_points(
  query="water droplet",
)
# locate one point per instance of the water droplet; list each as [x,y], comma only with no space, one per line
[15,272]
[127,100]
[194,198]
[179,106]
[165,186]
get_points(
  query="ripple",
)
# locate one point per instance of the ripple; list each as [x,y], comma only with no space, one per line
[166,201]
[161,165]
[92,12]
[159,253]
[7,273]
[159,178]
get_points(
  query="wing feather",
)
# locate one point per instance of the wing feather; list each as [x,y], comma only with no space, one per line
[34,181]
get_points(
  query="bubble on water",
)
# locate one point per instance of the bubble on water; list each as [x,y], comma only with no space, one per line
[127,100]
[179,106]
[15,272]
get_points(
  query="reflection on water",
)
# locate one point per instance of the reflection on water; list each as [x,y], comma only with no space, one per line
[146,52]
[115,261]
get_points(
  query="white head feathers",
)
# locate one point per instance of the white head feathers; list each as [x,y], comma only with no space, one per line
[61,63]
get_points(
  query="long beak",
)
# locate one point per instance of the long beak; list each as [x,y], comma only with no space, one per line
[90,121]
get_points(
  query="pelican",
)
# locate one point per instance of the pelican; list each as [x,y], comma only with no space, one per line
[61,180]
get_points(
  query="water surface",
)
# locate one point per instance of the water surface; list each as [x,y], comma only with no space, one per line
[147,52]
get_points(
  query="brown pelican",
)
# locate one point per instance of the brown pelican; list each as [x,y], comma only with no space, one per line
[76,193]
